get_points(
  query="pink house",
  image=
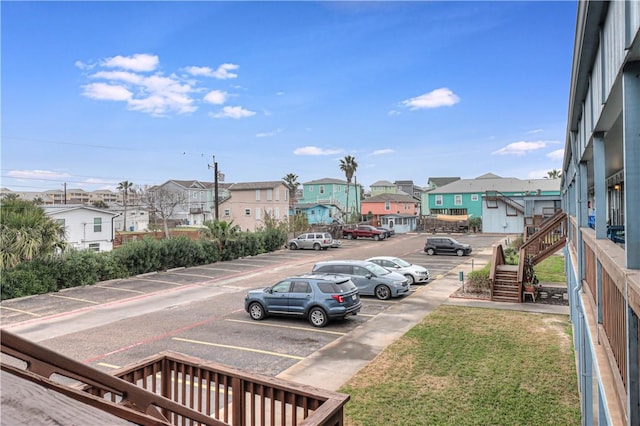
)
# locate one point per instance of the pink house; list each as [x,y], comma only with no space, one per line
[389,204]
[250,203]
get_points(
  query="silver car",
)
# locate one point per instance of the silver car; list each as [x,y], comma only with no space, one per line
[416,274]
[371,279]
[311,240]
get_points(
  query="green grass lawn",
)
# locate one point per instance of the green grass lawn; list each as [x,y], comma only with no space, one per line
[551,270]
[471,366]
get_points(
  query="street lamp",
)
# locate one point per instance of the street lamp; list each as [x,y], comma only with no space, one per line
[215,185]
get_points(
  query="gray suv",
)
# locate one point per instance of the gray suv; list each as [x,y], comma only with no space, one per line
[317,298]
[311,240]
[371,279]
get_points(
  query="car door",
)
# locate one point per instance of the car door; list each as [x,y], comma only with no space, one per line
[303,241]
[362,279]
[301,295]
[446,246]
[277,299]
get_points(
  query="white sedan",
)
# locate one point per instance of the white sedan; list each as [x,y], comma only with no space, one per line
[416,274]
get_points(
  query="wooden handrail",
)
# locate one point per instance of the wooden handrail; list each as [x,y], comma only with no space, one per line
[546,240]
[497,259]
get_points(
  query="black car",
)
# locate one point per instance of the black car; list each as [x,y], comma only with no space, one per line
[387,231]
[317,298]
[441,245]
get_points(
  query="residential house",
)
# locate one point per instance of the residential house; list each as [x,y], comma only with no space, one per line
[137,217]
[318,214]
[382,187]
[397,211]
[86,228]
[502,203]
[332,192]
[250,203]
[601,179]
[433,183]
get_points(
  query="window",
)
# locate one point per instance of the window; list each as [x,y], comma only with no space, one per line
[474,197]
[277,216]
[301,287]
[94,246]
[227,212]
[321,191]
[439,200]
[457,200]
[60,222]
[97,224]
[387,205]
[247,212]
[286,195]
[311,189]
[281,287]
[257,195]
[277,194]
[258,213]
[269,194]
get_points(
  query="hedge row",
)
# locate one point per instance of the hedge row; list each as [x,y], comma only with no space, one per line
[77,268]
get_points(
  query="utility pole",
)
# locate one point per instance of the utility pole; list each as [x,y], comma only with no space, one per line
[215,186]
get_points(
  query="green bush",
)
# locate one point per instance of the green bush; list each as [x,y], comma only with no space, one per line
[478,281]
[77,268]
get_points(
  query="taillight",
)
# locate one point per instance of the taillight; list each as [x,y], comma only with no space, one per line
[339,298]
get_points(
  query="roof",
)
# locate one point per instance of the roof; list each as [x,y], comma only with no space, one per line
[483,184]
[311,205]
[441,181]
[381,183]
[325,181]
[244,186]
[381,198]
[63,208]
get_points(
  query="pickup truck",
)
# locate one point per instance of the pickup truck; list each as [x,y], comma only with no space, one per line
[363,231]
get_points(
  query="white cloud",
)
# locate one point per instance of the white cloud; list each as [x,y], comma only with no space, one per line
[140,62]
[123,76]
[216,97]
[383,151]
[232,112]
[268,134]
[521,148]
[314,150]
[434,99]
[106,92]
[558,154]
[222,73]
[36,174]
[534,131]
[393,112]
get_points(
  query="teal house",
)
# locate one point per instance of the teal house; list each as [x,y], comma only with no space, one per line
[331,193]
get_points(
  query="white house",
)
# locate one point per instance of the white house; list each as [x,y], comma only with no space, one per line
[86,228]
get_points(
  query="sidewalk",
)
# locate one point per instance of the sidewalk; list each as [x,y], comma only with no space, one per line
[332,366]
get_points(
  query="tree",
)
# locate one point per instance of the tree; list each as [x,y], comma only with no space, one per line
[553,174]
[162,203]
[99,204]
[219,231]
[349,166]
[291,182]
[26,233]
[127,188]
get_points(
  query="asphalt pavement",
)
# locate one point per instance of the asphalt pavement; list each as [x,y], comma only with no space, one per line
[332,366]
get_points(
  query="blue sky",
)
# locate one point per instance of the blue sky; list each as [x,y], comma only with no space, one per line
[94,93]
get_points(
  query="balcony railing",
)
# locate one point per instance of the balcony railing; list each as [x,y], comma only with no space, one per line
[172,389]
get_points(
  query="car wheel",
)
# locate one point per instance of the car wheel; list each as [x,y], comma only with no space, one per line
[317,247]
[431,251]
[460,252]
[293,246]
[318,317]
[410,279]
[256,311]
[376,237]
[383,292]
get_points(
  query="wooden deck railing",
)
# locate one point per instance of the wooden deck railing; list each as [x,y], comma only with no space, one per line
[620,292]
[174,389]
[497,259]
[551,236]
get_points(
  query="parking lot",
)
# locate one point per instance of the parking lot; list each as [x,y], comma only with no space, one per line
[199,311]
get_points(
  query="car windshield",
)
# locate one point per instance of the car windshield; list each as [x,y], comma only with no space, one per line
[402,263]
[376,269]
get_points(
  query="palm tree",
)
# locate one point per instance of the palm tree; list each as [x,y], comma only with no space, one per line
[349,166]
[126,187]
[291,182]
[26,232]
[553,174]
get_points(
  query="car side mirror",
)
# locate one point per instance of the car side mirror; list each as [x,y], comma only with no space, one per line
[368,276]
[269,290]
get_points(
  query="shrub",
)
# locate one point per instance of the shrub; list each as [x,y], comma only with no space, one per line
[478,281]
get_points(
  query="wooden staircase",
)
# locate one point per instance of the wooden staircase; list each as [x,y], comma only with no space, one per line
[507,280]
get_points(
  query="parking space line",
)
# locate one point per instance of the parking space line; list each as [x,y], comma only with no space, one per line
[366,315]
[191,275]
[159,281]
[289,327]
[240,348]
[120,289]
[20,311]
[75,298]
[104,364]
